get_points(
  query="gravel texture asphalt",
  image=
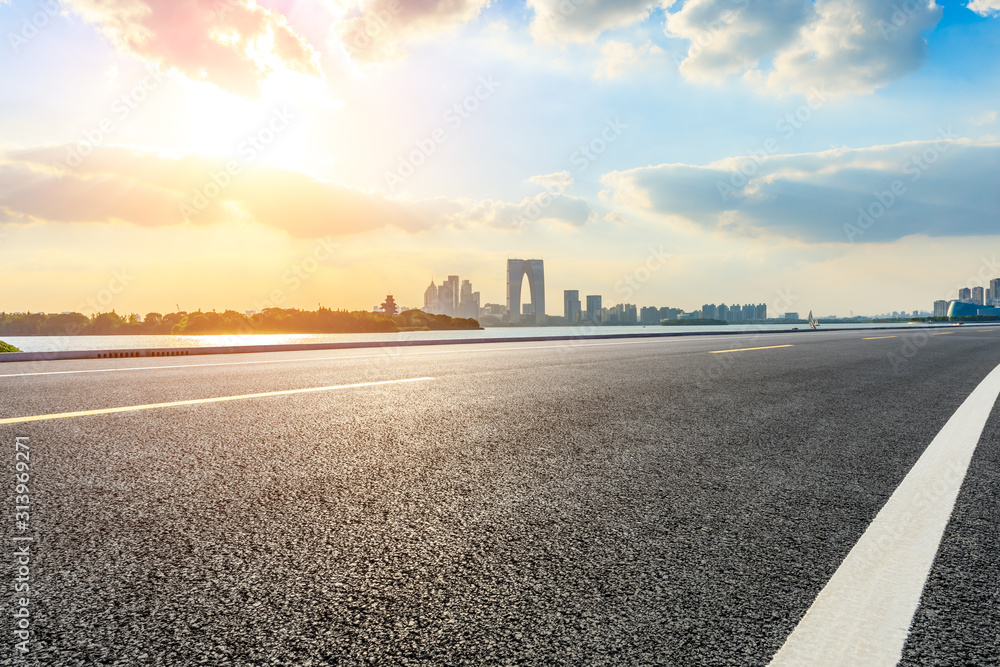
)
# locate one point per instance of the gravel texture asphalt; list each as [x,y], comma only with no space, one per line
[599,503]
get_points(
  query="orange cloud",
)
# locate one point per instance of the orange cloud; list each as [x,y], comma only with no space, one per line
[114,184]
[232,43]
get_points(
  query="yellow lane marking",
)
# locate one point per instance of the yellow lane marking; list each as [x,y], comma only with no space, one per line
[747,349]
[945,333]
[879,337]
[198,401]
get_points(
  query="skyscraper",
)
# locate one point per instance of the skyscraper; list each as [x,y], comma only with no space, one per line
[965,295]
[571,305]
[978,297]
[995,292]
[468,302]
[941,308]
[594,308]
[445,298]
[431,299]
[534,269]
[455,298]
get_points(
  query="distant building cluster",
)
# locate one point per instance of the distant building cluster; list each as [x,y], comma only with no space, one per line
[528,306]
[981,296]
[745,313]
[972,301]
[452,299]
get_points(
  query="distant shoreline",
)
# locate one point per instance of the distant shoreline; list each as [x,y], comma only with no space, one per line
[270,321]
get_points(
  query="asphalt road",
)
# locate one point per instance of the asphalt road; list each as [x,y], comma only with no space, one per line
[598,503]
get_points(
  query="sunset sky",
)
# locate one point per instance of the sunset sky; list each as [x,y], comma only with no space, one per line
[231,154]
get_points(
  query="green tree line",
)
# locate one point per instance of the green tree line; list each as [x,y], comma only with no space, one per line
[268,321]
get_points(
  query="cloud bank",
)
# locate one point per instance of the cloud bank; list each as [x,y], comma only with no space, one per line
[942,187]
[114,184]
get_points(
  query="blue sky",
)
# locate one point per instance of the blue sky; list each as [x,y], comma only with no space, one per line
[841,102]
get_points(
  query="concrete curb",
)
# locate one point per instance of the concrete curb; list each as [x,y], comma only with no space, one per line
[293,347]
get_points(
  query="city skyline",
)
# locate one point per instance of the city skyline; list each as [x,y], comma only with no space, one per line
[266,151]
[580,308]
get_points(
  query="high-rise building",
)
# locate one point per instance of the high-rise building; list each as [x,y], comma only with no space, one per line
[455,294]
[431,299]
[649,315]
[965,295]
[571,305]
[445,299]
[468,301]
[978,297]
[517,269]
[594,308]
[708,311]
[941,308]
[994,292]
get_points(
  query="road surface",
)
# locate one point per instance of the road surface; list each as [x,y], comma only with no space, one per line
[676,502]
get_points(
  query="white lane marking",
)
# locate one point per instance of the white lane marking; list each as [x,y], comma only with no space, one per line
[863,615]
[199,401]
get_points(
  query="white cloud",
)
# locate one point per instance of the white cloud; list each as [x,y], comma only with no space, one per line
[545,208]
[581,21]
[379,31]
[559,181]
[985,7]
[849,47]
[856,46]
[731,36]
[939,187]
[620,58]
[985,118]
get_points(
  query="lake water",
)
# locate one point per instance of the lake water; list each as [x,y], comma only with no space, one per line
[64,343]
